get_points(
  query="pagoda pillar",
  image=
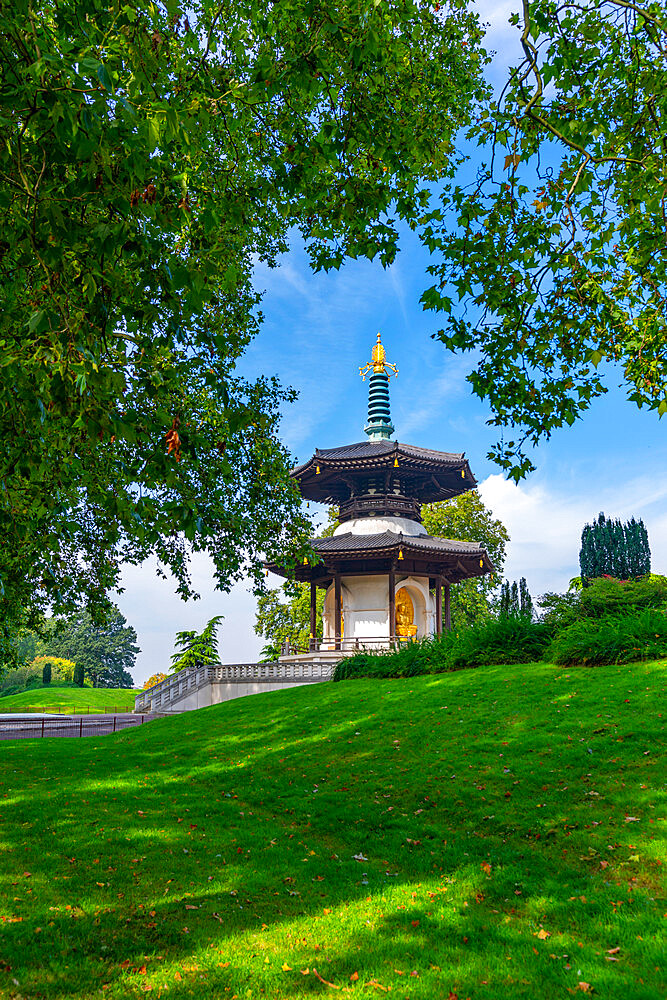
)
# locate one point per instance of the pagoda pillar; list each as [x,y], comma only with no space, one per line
[392,602]
[337,610]
[438,605]
[448,610]
[313,615]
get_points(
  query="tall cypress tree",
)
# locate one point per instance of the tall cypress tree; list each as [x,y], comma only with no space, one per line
[610,548]
[525,600]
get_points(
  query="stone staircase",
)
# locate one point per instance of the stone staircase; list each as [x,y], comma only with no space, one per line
[200,687]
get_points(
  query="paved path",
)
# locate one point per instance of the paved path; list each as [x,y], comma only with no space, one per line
[16,726]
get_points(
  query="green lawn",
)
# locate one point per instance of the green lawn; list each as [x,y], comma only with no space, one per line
[490,833]
[69,699]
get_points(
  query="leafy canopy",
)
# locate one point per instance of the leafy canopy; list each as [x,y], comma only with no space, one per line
[557,246]
[152,153]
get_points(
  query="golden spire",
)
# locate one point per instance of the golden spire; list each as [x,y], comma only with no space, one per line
[379,364]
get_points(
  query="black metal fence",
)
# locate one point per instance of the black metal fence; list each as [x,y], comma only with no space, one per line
[30,729]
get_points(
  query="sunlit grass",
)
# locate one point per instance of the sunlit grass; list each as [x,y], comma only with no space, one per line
[504,823]
[69,698]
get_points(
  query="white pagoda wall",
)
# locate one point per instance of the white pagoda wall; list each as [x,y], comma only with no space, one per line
[366,606]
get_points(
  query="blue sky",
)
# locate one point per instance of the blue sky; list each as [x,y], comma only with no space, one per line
[318,330]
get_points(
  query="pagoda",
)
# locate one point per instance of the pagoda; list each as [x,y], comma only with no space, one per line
[384,575]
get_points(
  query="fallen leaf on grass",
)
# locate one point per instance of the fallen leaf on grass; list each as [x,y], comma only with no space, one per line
[613,951]
[378,986]
[486,867]
[354,977]
[304,972]
[285,967]
[189,906]
[584,987]
[632,819]
[542,934]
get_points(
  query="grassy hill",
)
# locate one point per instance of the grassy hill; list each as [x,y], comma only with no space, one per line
[69,699]
[489,834]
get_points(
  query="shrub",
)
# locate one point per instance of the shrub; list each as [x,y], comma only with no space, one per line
[78,675]
[46,673]
[613,639]
[607,596]
[426,656]
[507,639]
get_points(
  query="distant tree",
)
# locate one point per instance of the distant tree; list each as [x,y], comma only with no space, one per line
[196,649]
[466,518]
[515,599]
[79,675]
[153,680]
[283,617]
[46,673]
[609,548]
[62,670]
[105,652]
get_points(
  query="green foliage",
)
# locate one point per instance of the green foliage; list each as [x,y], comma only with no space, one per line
[152,155]
[283,617]
[195,649]
[46,673]
[424,656]
[515,599]
[104,652]
[608,596]
[507,639]
[466,518]
[609,548]
[556,244]
[620,638]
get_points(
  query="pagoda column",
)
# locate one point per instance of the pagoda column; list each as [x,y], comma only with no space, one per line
[313,614]
[448,610]
[438,605]
[337,610]
[392,601]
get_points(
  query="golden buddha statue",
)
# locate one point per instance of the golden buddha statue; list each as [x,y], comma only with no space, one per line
[405,615]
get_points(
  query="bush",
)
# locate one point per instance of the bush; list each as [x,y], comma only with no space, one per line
[426,656]
[507,639]
[78,675]
[46,673]
[608,596]
[614,639]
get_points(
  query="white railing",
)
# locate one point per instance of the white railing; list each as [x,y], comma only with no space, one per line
[163,696]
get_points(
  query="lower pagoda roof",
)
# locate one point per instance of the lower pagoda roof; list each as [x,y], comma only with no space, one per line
[423,555]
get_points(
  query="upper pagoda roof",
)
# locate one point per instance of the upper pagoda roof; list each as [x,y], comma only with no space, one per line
[431,475]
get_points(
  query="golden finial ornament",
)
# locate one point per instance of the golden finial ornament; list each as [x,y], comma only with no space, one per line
[379,364]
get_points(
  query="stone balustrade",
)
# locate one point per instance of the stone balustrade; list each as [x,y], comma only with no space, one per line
[200,686]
